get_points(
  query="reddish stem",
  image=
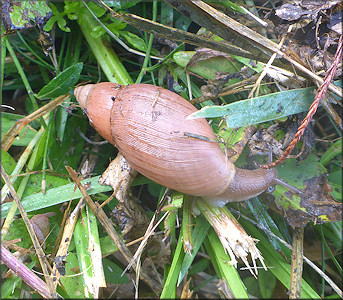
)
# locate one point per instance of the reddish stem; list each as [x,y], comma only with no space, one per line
[24,273]
[321,92]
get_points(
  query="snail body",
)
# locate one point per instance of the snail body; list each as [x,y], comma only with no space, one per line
[148,125]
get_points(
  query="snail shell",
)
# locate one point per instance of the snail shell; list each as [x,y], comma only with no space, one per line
[41,226]
[149,126]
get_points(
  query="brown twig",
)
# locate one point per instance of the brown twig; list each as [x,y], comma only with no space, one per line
[40,253]
[321,92]
[10,136]
[296,263]
[65,240]
[108,226]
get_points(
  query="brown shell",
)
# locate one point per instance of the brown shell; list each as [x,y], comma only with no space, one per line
[96,99]
[41,226]
[149,127]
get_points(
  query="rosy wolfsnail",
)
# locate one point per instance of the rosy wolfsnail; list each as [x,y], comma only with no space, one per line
[149,126]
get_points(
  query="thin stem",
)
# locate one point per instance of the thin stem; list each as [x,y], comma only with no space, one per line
[24,79]
[338,266]
[160,63]
[296,263]
[24,273]
[321,92]
[308,261]
[187,226]
[21,162]
[67,55]
[108,226]
[148,51]
[46,149]
[104,54]
[39,60]
[291,188]
[44,74]
[322,292]
[2,57]
[112,35]
[40,253]
[30,166]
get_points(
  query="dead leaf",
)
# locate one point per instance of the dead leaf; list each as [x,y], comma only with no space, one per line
[263,141]
[202,54]
[128,214]
[24,14]
[186,292]
[60,262]
[119,175]
[225,290]
[317,203]
[303,9]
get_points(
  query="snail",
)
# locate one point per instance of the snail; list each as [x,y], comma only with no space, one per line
[149,126]
[41,226]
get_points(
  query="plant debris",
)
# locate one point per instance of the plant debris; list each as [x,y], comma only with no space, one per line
[317,203]
[18,15]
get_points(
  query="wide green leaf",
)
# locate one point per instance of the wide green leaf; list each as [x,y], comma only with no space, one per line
[113,273]
[7,162]
[71,283]
[62,83]
[260,109]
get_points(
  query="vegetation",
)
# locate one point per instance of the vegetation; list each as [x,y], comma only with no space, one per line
[228,64]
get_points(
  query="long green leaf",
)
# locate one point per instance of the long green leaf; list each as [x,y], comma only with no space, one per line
[198,236]
[56,195]
[81,237]
[260,109]
[62,83]
[227,271]
[334,150]
[169,286]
